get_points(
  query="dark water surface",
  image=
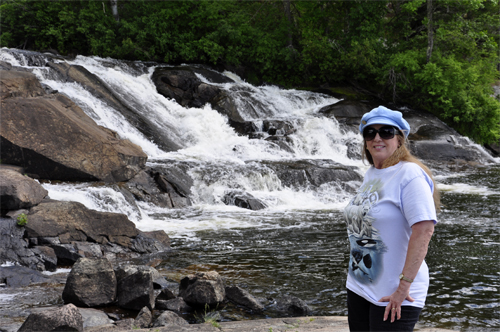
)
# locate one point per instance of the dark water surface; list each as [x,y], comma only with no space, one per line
[305,254]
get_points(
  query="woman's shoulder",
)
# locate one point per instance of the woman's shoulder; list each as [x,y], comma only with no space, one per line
[412,169]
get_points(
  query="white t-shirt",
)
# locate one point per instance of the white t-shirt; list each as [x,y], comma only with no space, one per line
[379,220]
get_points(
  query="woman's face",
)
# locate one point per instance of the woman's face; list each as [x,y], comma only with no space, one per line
[381,149]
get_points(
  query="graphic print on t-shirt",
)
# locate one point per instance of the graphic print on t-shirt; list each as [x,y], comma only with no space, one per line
[367,248]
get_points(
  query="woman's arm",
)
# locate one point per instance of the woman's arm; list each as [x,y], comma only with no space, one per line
[417,249]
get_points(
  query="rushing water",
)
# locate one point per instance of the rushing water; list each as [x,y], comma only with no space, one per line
[297,245]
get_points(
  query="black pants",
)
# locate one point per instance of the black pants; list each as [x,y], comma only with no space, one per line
[365,316]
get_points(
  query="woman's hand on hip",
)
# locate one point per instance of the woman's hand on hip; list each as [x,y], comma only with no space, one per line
[395,300]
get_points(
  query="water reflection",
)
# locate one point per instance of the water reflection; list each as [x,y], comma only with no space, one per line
[305,254]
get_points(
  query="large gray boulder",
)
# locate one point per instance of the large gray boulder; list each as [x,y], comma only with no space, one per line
[18,191]
[202,288]
[135,287]
[52,138]
[65,318]
[72,221]
[91,283]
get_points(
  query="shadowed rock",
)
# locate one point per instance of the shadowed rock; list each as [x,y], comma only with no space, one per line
[144,318]
[243,200]
[66,318]
[91,283]
[177,304]
[241,297]
[135,287]
[18,191]
[202,288]
[292,306]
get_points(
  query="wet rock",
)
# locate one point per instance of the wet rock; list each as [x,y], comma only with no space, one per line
[18,191]
[242,297]
[243,199]
[202,288]
[15,248]
[143,243]
[94,317]
[168,318]
[312,172]
[135,287]
[182,85]
[144,318]
[166,294]
[20,276]
[99,88]
[292,306]
[58,141]
[91,283]
[177,304]
[72,221]
[65,318]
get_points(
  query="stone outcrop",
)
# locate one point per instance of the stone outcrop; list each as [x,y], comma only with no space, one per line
[18,191]
[202,288]
[52,138]
[66,318]
[91,283]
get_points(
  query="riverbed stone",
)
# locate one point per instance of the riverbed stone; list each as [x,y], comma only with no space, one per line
[144,318]
[91,283]
[65,318]
[18,191]
[176,304]
[94,317]
[202,288]
[242,297]
[243,199]
[135,287]
[168,318]
[292,306]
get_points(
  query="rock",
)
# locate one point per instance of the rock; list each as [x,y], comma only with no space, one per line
[18,191]
[58,141]
[241,297]
[92,83]
[143,243]
[169,318]
[135,287]
[243,199]
[166,294]
[18,84]
[202,288]
[20,276]
[182,85]
[91,283]
[301,173]
[14,248]
[292,306]
[72,221]
[177,304]
[144,318]
[144,188]
[347,112]
[93,317]
[65,318]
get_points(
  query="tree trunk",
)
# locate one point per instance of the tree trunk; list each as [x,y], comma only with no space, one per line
[114,9]
[288,14]
[430,31]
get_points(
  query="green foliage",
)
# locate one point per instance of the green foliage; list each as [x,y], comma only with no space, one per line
[378,45]
[22,219]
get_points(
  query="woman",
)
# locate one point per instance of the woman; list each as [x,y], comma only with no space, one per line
[390,222]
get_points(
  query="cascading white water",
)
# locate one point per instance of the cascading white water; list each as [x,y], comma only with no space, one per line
[205,137]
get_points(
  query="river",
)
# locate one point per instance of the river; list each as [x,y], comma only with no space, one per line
[298,244]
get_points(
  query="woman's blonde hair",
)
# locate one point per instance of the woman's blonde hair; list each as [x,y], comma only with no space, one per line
[403,154]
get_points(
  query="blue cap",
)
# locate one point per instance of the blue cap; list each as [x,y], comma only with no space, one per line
[384,116]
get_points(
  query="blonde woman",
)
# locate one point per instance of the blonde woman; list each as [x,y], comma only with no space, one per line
[390,222]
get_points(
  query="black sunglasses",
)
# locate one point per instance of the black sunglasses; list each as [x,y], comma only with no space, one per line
[385,132]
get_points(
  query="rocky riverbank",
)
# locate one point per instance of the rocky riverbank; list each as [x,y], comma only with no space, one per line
[46,137]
